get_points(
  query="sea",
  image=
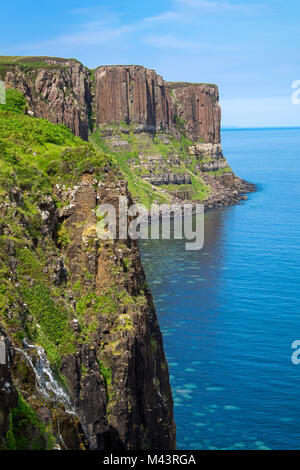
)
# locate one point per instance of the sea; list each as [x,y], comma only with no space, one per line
[230,312]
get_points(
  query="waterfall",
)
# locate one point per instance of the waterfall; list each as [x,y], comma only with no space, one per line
[46,383]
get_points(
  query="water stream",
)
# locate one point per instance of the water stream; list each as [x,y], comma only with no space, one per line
[46,383]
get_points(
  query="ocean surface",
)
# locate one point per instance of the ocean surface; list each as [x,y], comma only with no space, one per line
[230,312]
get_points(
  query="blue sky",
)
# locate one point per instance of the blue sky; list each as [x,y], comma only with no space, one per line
[250,49]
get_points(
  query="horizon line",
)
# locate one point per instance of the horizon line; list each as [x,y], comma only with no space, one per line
[232,128]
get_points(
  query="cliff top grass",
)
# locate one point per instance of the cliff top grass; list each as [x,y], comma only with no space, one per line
[37,151]
[34,156]
[29,64]
[33,61]
[174,85]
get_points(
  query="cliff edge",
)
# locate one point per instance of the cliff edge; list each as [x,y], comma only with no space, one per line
[82,364]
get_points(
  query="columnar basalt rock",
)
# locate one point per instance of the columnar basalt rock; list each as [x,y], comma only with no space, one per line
[106,347]
[59,92]
[132,94]
[197,106]
[65,92]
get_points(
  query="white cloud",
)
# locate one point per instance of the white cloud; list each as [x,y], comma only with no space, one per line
[105,27]
[86,37]
[170,41]
[215,6]
[166,16]
[100,31]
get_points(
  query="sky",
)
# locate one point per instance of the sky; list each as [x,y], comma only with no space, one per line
[250,49]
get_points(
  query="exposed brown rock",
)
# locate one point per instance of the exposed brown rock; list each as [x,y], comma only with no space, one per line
[132,94]
[198,106]
[136,412]
[59,92]
[64,92]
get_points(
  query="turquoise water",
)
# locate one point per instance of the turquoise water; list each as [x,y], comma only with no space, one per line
[230,312]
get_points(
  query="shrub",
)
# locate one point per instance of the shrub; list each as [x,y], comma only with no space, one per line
[15,102]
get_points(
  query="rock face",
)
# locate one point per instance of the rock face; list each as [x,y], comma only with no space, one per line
[198,108]
[211,155]
[65,92]
[122,101]
[134,95]
[59,92]
[133,410]
[83,299]
[8,392]
[116,376]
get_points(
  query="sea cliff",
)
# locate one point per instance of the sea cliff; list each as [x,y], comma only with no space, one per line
[84,364]
[166,135]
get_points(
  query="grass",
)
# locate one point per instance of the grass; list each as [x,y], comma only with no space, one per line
[28,60]
[128,162]
[35,155]
[174,85]
[26,432]
[141,190]
[28,64]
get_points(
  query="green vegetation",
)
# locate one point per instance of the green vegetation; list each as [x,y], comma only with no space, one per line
[132,163]
[35,155]
[33,61]
[28,64]
[98,303]
[174,85]
[154,345]
[107,378]
[179,123]
[140,190]
[200,190]
[126,263]
[53,322]
[26,432]
[106,374]
[221,171]
[63,237]
[15,102]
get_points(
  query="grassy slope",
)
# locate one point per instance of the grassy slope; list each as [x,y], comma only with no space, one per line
[139,188]
[34,156]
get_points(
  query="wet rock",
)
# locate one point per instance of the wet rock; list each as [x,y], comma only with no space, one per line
[8,392]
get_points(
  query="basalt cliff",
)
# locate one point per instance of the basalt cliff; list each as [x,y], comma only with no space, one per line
[82,364]
[165,135]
